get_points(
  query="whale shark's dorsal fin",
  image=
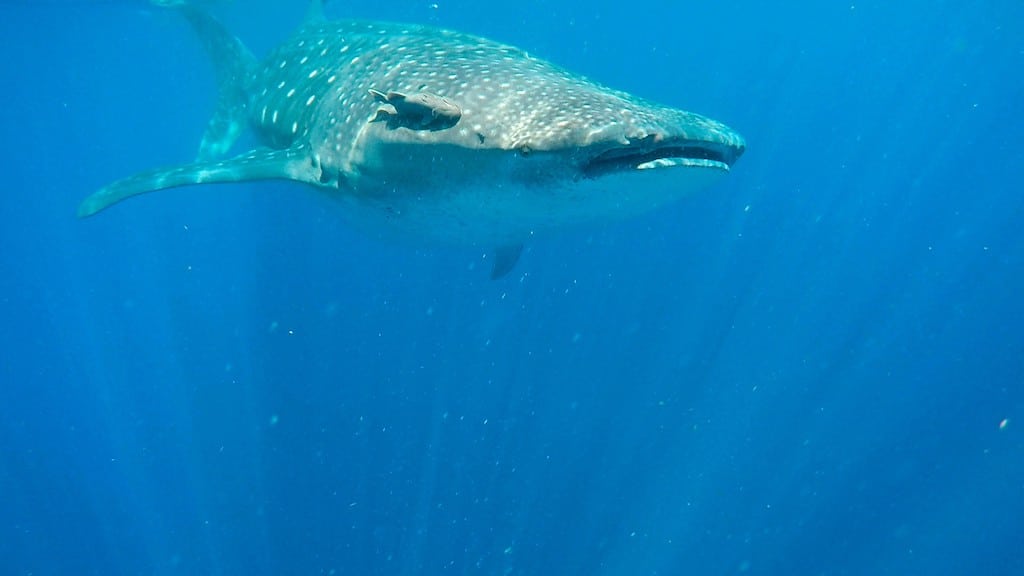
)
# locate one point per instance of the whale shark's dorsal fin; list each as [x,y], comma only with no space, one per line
[289,164]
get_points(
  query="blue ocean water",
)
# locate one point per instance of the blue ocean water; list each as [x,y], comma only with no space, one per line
[814,367]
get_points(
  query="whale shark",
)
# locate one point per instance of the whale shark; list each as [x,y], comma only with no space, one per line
[437,135]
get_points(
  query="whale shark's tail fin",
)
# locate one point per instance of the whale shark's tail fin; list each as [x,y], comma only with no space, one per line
[235,67]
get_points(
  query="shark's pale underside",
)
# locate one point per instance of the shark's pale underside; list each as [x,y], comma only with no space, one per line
[438,135]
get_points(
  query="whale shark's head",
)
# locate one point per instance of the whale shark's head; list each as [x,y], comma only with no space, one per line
[518,145]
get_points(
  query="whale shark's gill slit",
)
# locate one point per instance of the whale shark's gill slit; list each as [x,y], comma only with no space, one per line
[624,159]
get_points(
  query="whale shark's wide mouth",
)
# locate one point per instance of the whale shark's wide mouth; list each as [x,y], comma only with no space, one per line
[693,154]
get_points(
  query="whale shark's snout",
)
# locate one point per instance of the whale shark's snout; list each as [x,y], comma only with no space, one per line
[679,140]
[654,153]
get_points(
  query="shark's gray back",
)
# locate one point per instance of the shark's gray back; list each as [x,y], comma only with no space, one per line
[316,87]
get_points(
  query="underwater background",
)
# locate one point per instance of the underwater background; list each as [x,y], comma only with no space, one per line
[814,367]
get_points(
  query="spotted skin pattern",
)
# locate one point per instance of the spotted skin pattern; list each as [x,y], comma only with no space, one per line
[322,77]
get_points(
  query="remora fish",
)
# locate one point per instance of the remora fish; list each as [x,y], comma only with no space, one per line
[439,135]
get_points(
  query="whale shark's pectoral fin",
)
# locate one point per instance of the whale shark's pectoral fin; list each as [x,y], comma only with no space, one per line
[505,258]
[290,164]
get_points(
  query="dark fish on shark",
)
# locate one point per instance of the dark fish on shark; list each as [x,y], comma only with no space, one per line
[438,135]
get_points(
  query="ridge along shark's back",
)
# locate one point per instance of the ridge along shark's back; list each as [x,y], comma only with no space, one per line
[439,135]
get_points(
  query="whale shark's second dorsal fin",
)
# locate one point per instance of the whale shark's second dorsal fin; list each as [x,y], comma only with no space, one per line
[289,164]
